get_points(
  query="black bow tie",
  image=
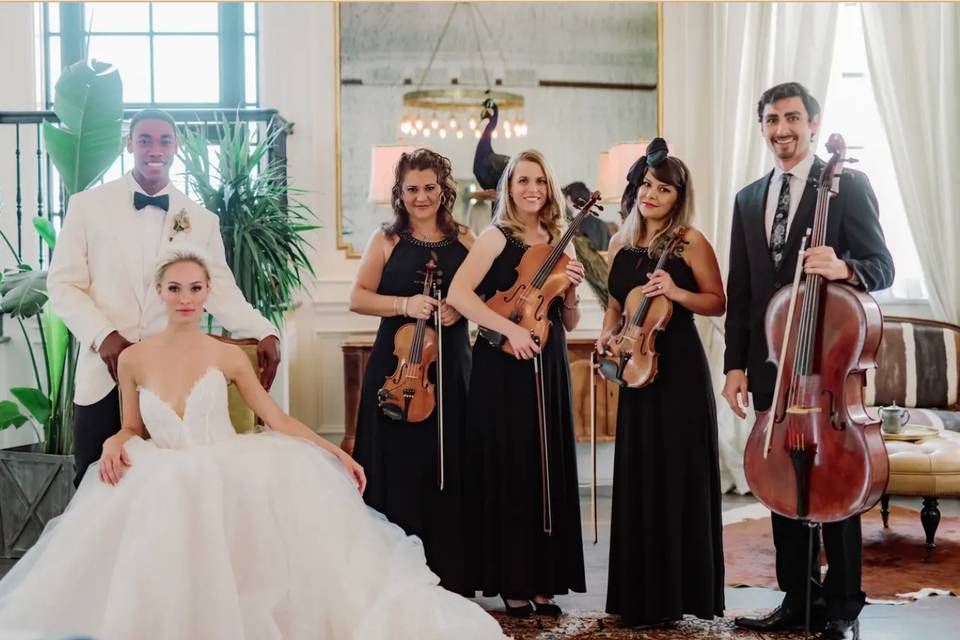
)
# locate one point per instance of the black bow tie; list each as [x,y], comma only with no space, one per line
[141,200]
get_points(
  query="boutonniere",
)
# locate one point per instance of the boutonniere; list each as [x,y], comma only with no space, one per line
[181,223]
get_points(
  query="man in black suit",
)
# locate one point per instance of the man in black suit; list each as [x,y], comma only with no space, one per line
[770,217]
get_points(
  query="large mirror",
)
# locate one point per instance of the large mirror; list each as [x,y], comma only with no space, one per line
[574,79]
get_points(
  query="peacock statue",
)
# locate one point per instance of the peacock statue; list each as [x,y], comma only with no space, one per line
[487,165]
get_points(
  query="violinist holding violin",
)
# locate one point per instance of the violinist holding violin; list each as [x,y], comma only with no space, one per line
[770,218]
[400,451]
[666,554]
[524,493]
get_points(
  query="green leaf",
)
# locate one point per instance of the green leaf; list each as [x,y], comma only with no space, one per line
[88,99]
[34,401]
[46,230]
[57,342]
[23,293]
[10,415]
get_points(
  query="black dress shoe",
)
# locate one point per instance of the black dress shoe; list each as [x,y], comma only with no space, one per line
[780,619]
[523,611]
[548,609]
[841,630]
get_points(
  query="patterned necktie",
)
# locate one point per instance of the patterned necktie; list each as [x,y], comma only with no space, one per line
[778,234]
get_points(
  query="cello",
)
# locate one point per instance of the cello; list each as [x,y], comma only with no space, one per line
[633,361]
[541,279]
[816,455]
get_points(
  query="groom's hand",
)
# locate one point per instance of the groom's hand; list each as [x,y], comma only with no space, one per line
[110,350]
[268,358]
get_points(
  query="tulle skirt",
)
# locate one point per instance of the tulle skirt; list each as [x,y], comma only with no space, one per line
[257,536]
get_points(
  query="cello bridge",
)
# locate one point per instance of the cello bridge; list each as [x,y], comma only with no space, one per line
[799,410]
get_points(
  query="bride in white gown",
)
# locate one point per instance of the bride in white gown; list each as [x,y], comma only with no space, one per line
[200,533]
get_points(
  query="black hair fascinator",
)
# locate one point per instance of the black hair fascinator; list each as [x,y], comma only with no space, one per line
[656,154]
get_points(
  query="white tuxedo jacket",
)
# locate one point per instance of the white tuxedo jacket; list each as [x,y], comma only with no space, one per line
[96,277]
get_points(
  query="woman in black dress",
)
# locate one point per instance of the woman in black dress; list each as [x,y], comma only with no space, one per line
[511,553]
[666,556]
[401,458]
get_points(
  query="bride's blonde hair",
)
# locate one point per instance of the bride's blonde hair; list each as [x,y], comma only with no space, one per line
[178,255]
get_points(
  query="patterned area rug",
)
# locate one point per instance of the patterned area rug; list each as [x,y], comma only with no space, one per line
[892,558]
[591,625]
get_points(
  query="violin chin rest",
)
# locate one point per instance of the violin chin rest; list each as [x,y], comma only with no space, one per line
[392,411]
[609,370]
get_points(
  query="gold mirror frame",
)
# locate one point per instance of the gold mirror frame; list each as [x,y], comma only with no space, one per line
[347,247]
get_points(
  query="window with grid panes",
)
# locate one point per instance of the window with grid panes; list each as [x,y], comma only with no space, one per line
[170,54]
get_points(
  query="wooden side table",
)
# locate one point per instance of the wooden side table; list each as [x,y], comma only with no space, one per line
[356,354]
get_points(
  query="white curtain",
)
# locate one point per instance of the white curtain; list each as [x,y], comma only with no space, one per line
[914,57]
[718,59]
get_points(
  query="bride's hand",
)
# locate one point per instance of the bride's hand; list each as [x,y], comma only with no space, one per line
[113,460]
[355,471]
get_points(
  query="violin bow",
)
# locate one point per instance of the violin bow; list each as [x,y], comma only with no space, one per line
[439,388]
[795,289]
[593,440]
[544,454]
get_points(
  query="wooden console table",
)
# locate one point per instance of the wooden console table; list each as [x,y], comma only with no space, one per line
[356,353]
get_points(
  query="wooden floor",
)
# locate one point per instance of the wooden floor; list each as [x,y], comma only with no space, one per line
[936,618]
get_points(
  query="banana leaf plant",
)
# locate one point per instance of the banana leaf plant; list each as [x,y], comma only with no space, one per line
[261,220]
[89,103]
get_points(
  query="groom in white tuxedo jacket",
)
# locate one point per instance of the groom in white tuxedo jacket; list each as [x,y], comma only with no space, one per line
[101,277]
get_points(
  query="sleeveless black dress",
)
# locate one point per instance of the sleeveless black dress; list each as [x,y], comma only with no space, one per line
[400,458]
[666,554]
[510,553]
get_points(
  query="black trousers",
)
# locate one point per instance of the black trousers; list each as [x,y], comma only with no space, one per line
[840,592]
[92,425]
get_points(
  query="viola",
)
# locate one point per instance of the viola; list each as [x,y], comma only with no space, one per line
[816,455]
[541,279]
[633,354]
[408,394]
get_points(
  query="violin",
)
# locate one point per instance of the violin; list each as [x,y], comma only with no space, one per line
[634,357]
[541,279]
[407,394]
[816,455]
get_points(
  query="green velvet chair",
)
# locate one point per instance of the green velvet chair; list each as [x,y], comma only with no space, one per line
[242,416]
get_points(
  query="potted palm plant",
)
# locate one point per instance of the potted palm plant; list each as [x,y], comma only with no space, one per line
[35,485]
[261,220]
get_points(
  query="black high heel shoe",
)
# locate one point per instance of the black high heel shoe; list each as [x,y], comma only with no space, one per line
[548,609]
[523,611]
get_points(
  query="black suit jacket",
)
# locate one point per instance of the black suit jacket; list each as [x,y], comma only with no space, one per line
[853,230]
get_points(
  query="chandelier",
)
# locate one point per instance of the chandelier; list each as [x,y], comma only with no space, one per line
[455,111]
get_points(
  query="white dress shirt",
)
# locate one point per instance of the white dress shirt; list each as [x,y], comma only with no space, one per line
[798,182]
[150,220]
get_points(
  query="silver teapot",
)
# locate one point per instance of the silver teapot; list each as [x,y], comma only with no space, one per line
[893,418]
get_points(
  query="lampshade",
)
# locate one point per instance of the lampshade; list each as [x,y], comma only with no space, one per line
[614,164]
[383,166]
[605,178]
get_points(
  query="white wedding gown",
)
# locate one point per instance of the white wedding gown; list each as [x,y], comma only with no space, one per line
[211,534]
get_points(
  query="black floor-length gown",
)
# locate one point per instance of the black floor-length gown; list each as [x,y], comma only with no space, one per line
[510,553]
[400,458]
[666,554]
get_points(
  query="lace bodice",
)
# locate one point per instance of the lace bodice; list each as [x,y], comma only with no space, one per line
[206,418]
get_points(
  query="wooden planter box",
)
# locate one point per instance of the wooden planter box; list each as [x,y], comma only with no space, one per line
[34,488]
